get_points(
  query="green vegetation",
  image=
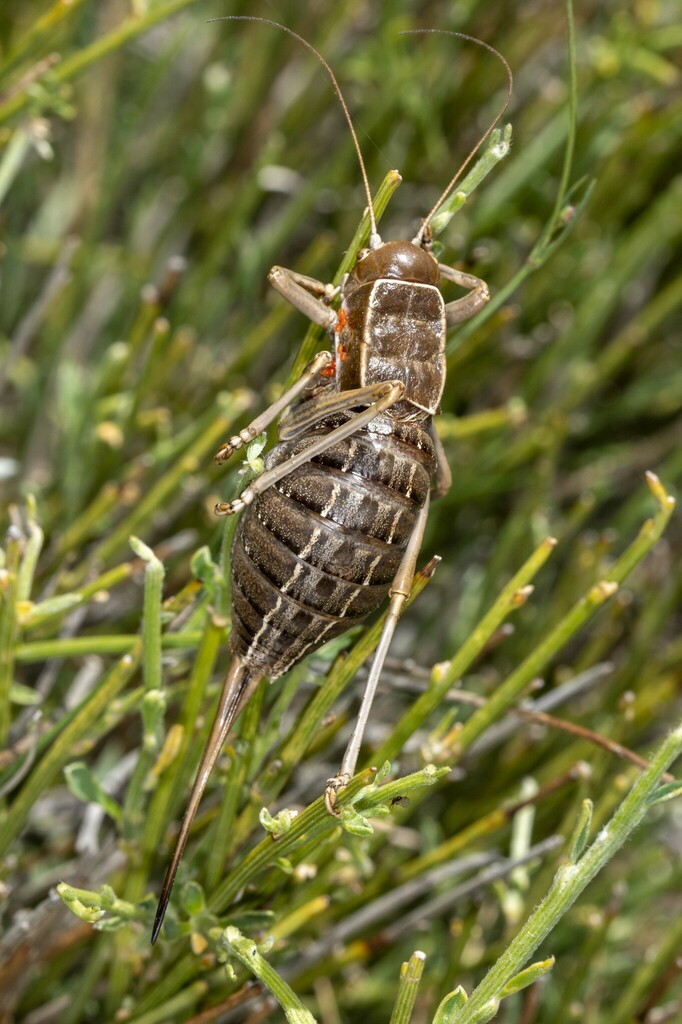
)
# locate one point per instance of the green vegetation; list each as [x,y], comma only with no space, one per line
[153,166]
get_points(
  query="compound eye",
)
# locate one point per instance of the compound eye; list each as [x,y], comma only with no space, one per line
[362,254]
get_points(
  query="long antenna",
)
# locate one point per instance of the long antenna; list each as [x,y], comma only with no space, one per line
[419,237]
[374,240]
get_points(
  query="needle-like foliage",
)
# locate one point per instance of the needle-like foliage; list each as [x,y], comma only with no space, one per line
[153,166]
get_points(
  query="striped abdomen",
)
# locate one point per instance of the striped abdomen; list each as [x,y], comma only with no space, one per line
[318,551]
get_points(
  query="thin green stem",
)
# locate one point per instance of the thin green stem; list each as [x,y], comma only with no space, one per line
[508,692]
[569,883]
[498,148]
[153,700]
[417,714]
[247,952]
[32,549]
[9,585]
[60,751]
[408,986]
[78,646]
[315,820]
[102,47]
[555,219]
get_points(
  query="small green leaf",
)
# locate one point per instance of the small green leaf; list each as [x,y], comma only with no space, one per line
[253,453]
[202,564]
[581,832]
[53,606]
[373,796]
[23,695]
[449,1007]
[83,784]
[667,792]
[193,899]
[354,822]
[487,1012]
[527,977]
[280,824]
[76,906]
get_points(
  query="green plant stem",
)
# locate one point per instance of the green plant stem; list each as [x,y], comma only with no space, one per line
[247,952]
[77,647]
[542,246]
[83,58]
[315,820]
[569,882]
[556,229]
[408,986]
[507,693]
[151,617]
[61,750]
[497,149]
[32,549]
[417,714]
[9,584]
[133,807]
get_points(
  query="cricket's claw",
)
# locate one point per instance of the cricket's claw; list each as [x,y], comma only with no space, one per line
[226,450]
[228,508]
[238,441]
[333,786]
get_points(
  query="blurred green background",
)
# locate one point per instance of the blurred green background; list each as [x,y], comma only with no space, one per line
[154,165]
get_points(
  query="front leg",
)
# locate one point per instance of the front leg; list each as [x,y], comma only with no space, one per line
[302,292]
[464,308]
[311,376]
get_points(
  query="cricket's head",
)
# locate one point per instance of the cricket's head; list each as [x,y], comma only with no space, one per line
[399,260]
